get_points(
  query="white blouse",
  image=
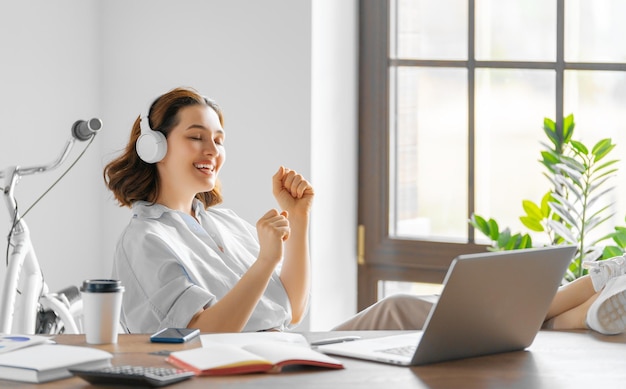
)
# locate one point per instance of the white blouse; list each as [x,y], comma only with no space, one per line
[172,266]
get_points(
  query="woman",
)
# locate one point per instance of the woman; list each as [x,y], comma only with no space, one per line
[186,263]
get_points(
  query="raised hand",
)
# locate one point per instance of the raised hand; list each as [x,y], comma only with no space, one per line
[292,192]
[273,230]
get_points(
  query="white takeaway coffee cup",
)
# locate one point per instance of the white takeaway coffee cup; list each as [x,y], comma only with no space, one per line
[102,303]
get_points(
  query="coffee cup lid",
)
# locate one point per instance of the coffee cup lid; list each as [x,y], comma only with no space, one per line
[101,286]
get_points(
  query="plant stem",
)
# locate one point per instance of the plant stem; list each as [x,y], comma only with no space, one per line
[587,176]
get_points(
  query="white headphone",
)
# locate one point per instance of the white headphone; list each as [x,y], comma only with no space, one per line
[151,145]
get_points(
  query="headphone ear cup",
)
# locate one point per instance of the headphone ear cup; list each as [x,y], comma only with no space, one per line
[151,146]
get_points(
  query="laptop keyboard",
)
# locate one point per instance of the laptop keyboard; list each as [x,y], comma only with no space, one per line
[405,351]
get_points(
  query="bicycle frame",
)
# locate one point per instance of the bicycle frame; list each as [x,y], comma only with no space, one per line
[24,288]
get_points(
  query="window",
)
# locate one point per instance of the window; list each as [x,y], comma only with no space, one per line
[453,94]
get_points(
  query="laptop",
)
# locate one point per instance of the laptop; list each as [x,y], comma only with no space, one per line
[491,302]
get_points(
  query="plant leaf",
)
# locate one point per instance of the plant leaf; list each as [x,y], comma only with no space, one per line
[601,239]
[602,148]
[567,207]
[606,173]
[480,224]
[574,175]
[593,186]
[494,229]
[596,221]
[504,238]
[545,207]
[532,209]
[592,199]
[549,127]
[611,251]
[550,178]
[579,147]
[550,157]
[609,163]
[568,126]
[579,168]
[532,223]
[562,231]
[526,242]
[573,189]
[601,210]
[513,244]
[619,236]
[592,254]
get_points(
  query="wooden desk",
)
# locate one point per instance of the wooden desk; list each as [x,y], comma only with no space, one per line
[555,360]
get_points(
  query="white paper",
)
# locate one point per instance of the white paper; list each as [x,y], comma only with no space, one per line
[11,342]
[245,338]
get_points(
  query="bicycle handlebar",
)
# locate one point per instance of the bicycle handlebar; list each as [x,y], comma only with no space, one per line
[81,130]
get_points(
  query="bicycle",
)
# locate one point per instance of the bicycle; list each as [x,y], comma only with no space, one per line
[26,305]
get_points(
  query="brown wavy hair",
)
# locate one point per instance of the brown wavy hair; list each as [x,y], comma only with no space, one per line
[129,177]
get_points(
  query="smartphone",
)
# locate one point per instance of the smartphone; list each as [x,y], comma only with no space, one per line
[174,335]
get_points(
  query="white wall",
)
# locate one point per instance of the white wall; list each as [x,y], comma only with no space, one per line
[49,77]
[334,170]
[78,59]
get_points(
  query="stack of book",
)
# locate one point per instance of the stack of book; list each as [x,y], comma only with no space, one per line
[35,358]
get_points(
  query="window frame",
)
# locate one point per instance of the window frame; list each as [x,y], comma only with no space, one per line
[380,256]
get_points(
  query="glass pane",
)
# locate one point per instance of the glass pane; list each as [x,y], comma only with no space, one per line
[510,108]
[429,154]
[388,288]
[595,31]
[429,29]
[516,30]
[597,101]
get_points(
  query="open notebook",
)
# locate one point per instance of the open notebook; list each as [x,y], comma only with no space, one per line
[491,302]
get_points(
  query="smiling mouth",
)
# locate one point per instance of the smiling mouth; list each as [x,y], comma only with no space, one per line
[204,167]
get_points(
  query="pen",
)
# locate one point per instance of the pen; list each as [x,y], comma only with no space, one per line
[339,339]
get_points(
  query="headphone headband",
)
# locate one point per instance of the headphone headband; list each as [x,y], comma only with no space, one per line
[144,123]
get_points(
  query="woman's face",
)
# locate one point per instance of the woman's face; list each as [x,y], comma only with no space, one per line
[195,153]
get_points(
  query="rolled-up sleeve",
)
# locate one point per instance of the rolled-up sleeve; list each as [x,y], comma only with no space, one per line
[192,300]
[158,292]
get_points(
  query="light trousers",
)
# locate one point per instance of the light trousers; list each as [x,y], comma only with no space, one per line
[396,312]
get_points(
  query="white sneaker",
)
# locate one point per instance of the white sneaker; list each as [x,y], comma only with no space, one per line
[607,315]
[602,271]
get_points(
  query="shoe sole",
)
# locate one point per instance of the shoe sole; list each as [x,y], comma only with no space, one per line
[611,314]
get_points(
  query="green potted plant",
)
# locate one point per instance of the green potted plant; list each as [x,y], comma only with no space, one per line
[574,207]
